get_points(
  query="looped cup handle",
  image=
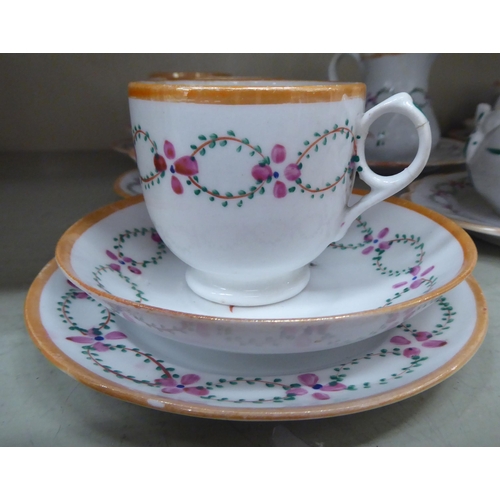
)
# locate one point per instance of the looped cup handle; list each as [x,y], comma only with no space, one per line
[382,187]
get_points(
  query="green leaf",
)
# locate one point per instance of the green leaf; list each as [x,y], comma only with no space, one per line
[231,133]
[202,138]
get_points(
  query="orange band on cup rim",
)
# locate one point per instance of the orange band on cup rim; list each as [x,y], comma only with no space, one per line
[235,91]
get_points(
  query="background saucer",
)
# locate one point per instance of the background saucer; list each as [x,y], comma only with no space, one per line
[454,196]
[70,329]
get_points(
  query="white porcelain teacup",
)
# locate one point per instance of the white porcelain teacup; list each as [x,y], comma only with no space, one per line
[482,153]
[248,181]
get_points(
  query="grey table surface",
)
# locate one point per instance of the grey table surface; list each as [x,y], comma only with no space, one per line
[41,195]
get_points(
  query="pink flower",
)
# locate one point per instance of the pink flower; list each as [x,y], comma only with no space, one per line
[382,245]
[292,172]
[156,237]
[417,279]
[176,185]
[174,386]
[311,380]
[186,165]
[278,154]
[399,340]
[115,266]
[169,150]
[261,172]
[411,351]
[279,190]
[94,338]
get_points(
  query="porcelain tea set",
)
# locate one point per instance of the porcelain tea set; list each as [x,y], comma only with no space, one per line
[249,280]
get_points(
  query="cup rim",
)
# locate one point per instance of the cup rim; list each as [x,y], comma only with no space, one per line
[245,91]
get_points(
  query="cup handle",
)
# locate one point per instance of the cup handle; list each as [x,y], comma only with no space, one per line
[333,74]
[382,187]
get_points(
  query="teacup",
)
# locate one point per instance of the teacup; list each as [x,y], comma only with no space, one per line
[482,153]
[247,182]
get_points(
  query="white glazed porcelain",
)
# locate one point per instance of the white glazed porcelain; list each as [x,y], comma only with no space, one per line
[454,196]
[483,154]
[116,358]
[393,262]
[392,137]
[248,182]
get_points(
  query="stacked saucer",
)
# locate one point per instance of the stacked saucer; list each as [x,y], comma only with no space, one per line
[390,310]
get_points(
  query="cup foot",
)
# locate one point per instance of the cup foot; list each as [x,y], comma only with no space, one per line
[247,290]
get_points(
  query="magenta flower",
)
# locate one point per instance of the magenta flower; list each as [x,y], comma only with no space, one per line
[174,386]
[311,380]
[261,172]
[186,165]
[94,338]
[381,244]
[292,172]
[422,337]
[278,154]
[156,237]
[417,279]
[279,190]
[169,150]
[176,185]
[115,266]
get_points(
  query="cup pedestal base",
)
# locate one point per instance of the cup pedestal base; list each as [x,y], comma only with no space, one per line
[247,290]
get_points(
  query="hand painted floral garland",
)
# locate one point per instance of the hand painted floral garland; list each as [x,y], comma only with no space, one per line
[97,341]
[187,167]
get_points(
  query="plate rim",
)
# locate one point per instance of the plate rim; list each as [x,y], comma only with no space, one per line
[41,338]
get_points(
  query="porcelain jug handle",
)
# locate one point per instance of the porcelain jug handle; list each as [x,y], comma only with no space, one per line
[332,67]
[382,187]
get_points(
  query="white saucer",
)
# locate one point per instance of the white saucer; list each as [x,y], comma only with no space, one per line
[394,262]
[454,196]
[446,153]
[110,355]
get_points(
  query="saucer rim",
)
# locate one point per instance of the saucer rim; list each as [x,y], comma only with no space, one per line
[70,236]
[41,338]
[465,224]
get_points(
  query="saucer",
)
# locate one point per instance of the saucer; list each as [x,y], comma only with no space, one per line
[128,184]
[447,152]
[104,352]
[454,196]
[395,261]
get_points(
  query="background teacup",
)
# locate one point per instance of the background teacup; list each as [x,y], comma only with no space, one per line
[392,137]
[482,154]
[248,182]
